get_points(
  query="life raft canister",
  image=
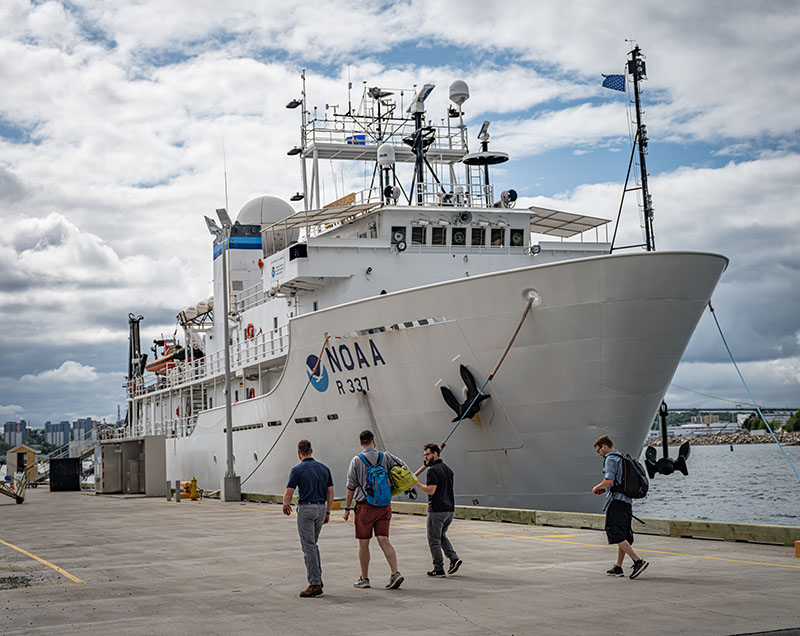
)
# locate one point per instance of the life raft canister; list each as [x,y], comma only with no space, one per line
[249,331]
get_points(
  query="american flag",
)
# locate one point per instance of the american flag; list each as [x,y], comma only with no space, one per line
[614,82]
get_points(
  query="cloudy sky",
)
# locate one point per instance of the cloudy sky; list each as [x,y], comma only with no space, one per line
[112,119]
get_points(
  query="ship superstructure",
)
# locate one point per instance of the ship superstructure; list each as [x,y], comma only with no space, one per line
[404,285]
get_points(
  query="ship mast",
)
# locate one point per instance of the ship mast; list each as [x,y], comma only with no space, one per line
[638,71]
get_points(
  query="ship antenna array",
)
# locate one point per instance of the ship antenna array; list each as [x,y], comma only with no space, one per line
[637,70]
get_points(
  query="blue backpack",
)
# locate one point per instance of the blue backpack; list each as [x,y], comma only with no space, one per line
[378,488]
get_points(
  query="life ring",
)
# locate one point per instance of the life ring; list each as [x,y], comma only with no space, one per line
[249,331]
[251,393]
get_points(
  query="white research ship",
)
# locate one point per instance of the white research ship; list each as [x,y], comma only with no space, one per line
[403,287]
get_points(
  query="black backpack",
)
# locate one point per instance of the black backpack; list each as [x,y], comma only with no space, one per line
[634,478]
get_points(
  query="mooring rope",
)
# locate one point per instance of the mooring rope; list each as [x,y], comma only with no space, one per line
[294,410]
[741,377]
[489,379]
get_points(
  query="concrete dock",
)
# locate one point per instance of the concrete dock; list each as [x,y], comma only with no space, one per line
[76,563]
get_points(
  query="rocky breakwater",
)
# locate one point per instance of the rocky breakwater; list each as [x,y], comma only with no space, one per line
[742,437]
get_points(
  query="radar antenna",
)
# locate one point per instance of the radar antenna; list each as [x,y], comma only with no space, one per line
[420,139]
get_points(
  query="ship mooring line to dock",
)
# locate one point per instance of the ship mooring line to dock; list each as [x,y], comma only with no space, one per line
[532,297]
[294,410]
[741,377]
[603,545]
[61,571]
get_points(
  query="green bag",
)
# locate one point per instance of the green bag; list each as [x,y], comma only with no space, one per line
[402,479]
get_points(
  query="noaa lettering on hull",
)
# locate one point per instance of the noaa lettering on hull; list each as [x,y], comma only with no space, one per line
[390,314]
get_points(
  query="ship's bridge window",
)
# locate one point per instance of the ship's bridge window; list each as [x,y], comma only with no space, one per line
[517,238]
[438,236]
[418,235]
[498,237]
[478,236]
[459,236]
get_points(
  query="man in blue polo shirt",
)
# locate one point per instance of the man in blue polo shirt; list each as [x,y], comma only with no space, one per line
[313,510]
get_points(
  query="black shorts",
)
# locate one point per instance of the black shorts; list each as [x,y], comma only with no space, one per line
[618,522]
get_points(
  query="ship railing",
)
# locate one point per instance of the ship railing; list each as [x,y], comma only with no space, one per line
[462,195]
[261,347]
[178,426]
[429,194]
[352,132]
[250,297]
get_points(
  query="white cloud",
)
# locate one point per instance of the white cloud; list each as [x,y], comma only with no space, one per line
[773,383]
[70,372]
[11,412]
[126,106]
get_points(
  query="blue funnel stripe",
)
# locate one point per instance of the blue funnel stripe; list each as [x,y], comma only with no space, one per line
[240,243]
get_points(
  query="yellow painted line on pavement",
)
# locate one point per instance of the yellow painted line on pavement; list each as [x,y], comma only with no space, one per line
[16,565]
[61,571]
[603,545]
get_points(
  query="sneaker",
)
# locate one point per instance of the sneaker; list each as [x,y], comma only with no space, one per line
[435,572]
[639,567]
[362,582]
[615,571]
[394,581]
[311,590]
[454,565]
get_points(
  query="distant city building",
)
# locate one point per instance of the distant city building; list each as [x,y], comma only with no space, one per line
[15,433]
[705,419]
[57,433]
[82,428]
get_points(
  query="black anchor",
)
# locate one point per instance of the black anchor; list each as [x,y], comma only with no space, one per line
[470,407]
[666,465]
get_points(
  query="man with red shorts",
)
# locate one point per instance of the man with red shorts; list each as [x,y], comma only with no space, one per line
[369,518]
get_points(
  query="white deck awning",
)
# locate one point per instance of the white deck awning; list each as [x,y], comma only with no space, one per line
[563,224]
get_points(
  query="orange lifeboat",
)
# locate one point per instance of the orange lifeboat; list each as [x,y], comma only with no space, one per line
[162,364]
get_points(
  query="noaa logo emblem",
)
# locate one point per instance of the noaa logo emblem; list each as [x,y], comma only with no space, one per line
[318,378]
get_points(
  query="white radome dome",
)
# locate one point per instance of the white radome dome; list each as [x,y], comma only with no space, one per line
[264,210]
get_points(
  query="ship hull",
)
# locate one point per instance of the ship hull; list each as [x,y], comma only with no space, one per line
[594,358]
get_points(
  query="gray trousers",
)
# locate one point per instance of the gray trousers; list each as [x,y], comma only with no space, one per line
[310,518]
[438,523]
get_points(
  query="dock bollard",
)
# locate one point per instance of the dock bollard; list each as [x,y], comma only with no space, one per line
[178,491]
[169,490]
[797,549]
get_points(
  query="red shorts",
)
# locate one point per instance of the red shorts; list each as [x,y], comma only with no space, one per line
[369,517]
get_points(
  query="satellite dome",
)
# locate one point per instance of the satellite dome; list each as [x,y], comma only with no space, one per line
[459,92]
[386,155]
[264,210]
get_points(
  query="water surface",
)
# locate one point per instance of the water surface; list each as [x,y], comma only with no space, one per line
[751,484]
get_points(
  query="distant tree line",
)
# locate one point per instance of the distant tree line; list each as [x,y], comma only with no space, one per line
[755,423]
